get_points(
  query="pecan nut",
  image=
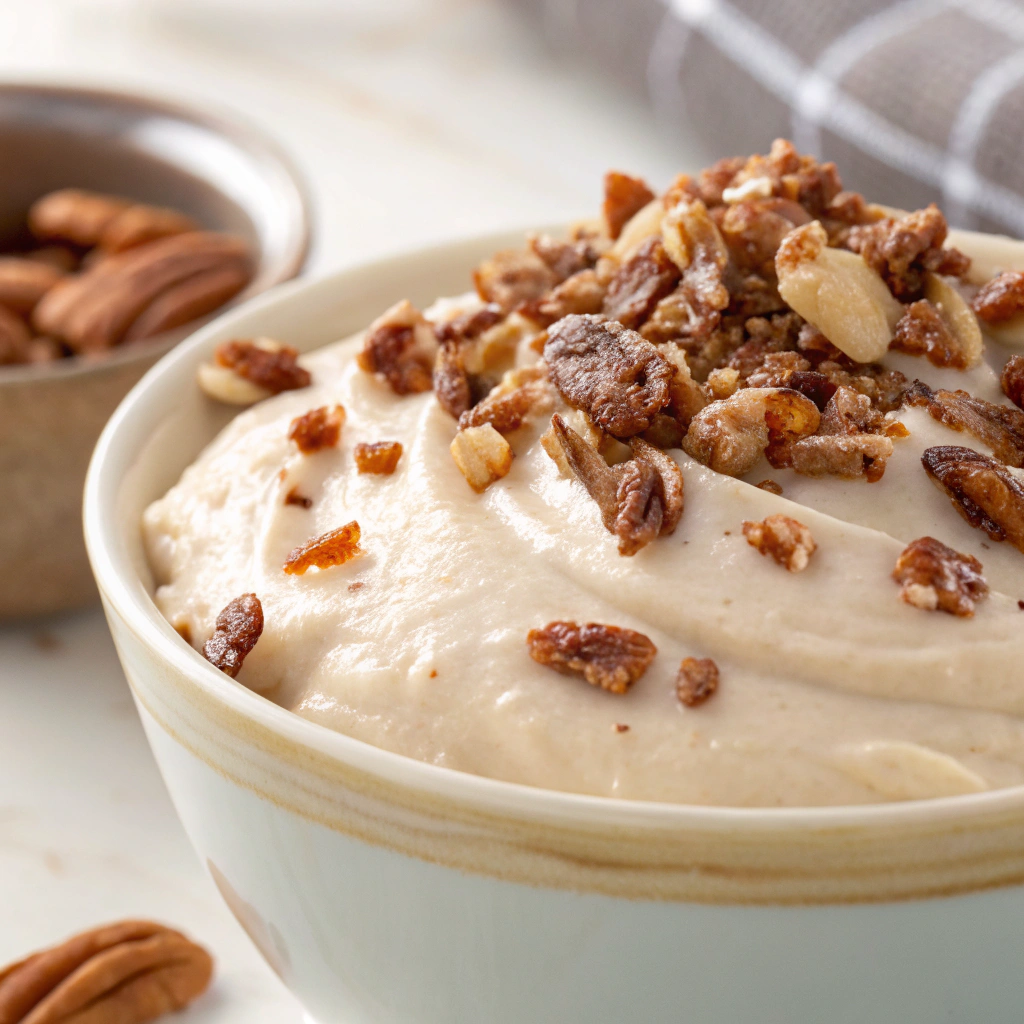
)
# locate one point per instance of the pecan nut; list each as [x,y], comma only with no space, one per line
[74,215]
[697,681]
[986,494]
[640,283]
[380,457]
[624,197]
[1001,299]
[513,277]
[336,547]
[23,282]
[482,456]
[400,345]
[785,539]
[239,626]
[317,429]
[610,657]
[244,371]
[935,577]
[129,972]
[608,371]
[1012,380]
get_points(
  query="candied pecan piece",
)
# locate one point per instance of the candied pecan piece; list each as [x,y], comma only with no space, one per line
[511,278]
[400,345]
[336,547]
[129,972]
[581,293]
[451,381]
[624,196]
[922,332]
[849,412]
[508,404]
[723,382]
[771,486]
[378,457]
[672,489]
[776,370]
[985,493]
[1000,299]
[753,232]
[697,680]
[23,282]
[318,428]
[638,285]
[1012,380]
[998,426]
[482,456]
[844,455]
[607,656]
[293,497]
[730,435]
[235,633]
[470,325]
[755,296]
[273,367]
[610,372]
[786,539]
[815,386]
[565,259]
[937,578]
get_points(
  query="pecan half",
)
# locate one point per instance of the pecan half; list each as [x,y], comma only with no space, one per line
[130,972]
[730,435]
[451,381]
[610,657]
[624,196]
[246,370]
[482,456]
[378,457]
[608,371]
[985,493]
[142,223]
[998,426]
[785,539]
[1000,299]
[336,547]
[511,278]
[317,429]
[400,346]
[934,577]
[14,338]
[238,627]
[24,282]
[697,680]
[1012,380]
[74,215]
[640,283]
[97,309]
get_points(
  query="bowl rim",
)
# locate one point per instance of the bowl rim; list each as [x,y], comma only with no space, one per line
[122,592]
[288,181]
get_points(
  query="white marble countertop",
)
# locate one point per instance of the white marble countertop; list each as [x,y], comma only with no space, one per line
[412,120]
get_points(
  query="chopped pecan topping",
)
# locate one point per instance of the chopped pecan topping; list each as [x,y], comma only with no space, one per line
[610,372]
[788,541]
[468,326]
[640,283]
[624,196]
[697,680]
[511,278]
[482,456]
[848,456]
[293,497]
[269,365]
[935,577]
[731,435]
[400,345]
[922,332]
[811,384]
[607,656]
[771,486]
[723,383]
[902,250]
[451,381]
[128,973]
[998,426]
[581,293]
[850,412]
[638,499]
[508,404]
[1002,298]
[1012,380]
[336,547]
[318,428]
[753,232]
[235,633]
[987,494]
[776,369]
[565,259]
[378,457]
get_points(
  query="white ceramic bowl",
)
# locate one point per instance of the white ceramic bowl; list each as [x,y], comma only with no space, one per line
[383,889]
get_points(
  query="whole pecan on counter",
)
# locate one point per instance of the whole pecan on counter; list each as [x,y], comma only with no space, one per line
[610,372]
[610,657]
[935,577]
[985,492]
[125,973]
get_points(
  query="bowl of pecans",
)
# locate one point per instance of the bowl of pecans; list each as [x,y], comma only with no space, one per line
[125,222]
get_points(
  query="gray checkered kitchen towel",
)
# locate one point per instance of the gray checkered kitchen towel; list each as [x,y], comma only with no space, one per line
[915,101]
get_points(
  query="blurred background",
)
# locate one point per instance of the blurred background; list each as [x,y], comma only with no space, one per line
[412,121]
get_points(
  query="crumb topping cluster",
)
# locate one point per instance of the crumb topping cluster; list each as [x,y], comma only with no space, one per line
[740,316]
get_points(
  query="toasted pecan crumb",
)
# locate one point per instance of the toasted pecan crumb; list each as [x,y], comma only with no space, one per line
[624,196]
[607,656]
[1000,299]
[358,585]
[332,548]
[922,331]
[697,681]
[378,457]
[786,539]
[620,727]
[1012,380]
[268,365]
[771,486]
[293,497]
[637,286]
[935,577]
[238,627]
[400,345]
[511,278]
[318,428]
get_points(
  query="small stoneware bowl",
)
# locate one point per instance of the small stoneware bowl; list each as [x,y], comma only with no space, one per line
[385,890]
[227,177]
